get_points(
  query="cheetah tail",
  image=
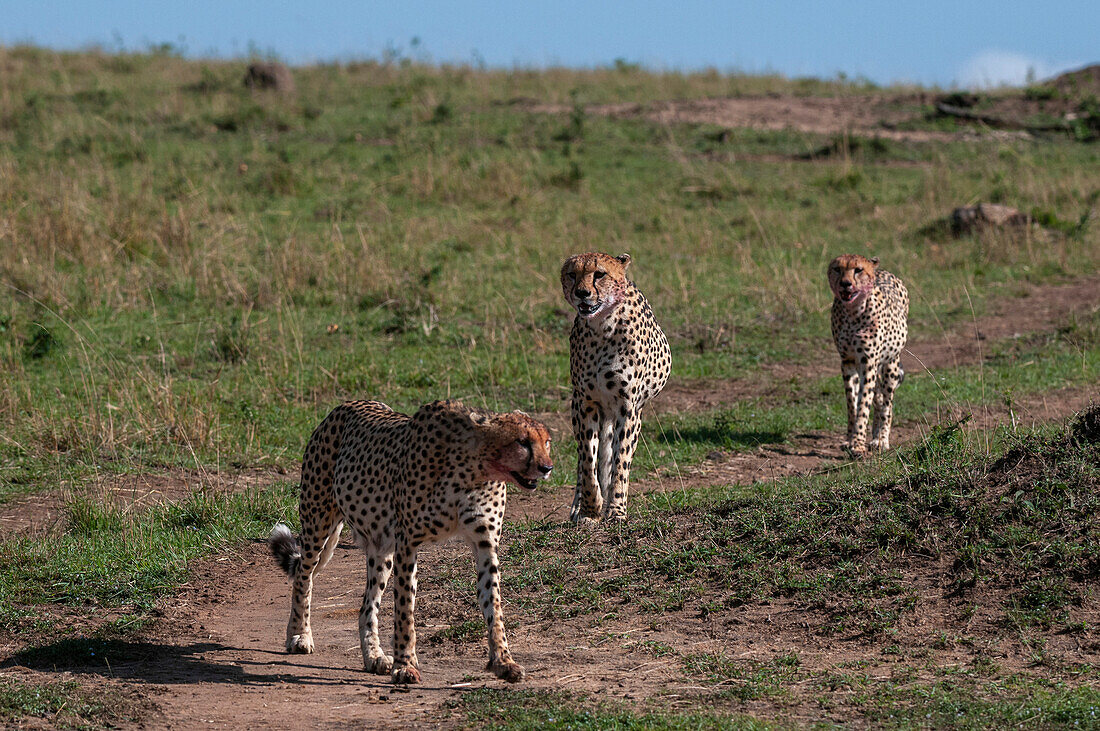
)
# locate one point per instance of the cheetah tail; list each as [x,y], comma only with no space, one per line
[285,549]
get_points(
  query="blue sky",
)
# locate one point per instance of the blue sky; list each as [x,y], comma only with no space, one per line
[956,42]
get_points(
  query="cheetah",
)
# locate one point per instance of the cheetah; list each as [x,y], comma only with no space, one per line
[401,481]
[618,360]
[870,308]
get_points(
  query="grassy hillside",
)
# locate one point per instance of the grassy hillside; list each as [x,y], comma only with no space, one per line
[194,273]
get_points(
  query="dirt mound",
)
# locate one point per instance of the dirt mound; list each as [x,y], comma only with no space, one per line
[1086,429]
[1079,83]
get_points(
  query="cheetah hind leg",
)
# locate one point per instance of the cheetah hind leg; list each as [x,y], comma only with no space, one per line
[299,633]
[379,560]
[606,460]
[593,436]
[849,373]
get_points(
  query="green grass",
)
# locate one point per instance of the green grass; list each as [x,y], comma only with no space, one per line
[109,557]
[515,710]
[1020,523]
[744,681]
[62,705]
[963,705]
[1013,370]
[895,704]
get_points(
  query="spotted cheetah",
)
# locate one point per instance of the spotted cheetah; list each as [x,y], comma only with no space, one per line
[400,482]
[618,360]
[870,308]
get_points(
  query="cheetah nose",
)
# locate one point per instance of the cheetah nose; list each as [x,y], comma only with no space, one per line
[582,294]
[545,468]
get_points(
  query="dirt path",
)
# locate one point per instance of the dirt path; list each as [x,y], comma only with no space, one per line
[216,660]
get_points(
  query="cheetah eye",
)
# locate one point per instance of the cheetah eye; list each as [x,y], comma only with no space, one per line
[599,275]
[525,443]
[858,270]
[570,276]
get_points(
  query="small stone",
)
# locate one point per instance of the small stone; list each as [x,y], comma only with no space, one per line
[269,75]
[966,219]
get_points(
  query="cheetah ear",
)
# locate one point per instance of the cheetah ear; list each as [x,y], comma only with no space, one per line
[624,259]
[479,419]
[874,260]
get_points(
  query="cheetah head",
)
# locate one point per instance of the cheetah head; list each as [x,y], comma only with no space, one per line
[852,277]
[594,283]
[515,447]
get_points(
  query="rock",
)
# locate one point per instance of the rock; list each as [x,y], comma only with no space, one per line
[966,219]
[269,75]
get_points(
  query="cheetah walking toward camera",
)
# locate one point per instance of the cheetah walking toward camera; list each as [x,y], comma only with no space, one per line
[870,309]
[399,482]
[618,360]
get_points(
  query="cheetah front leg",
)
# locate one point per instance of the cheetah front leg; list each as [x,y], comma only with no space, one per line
[865,399]
[587,498]
[501,663]
[859,387]
[405,666]
[849,371]
[379,568]
[626,441]
[892,375]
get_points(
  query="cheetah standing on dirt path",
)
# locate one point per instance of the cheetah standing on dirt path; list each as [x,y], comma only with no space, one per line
[870,308]
[618,359]
[399,482]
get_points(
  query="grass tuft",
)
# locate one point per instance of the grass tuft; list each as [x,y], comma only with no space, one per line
[857,548]
[62,705]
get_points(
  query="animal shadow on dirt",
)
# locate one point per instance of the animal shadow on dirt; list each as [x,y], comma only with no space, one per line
[720,433]
[158,663]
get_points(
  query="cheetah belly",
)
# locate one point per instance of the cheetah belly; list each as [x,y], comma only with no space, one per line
[650,384]
[613,380]
[434,520]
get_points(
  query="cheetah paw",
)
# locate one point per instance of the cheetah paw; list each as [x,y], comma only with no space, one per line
[300,644]
[510,671]
[379,664]
[879,445]
[406,674]
[855,451]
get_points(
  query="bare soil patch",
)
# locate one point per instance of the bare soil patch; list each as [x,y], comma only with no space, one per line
[869,115]
[1051,106]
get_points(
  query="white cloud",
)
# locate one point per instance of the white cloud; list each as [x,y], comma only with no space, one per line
[993,68]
